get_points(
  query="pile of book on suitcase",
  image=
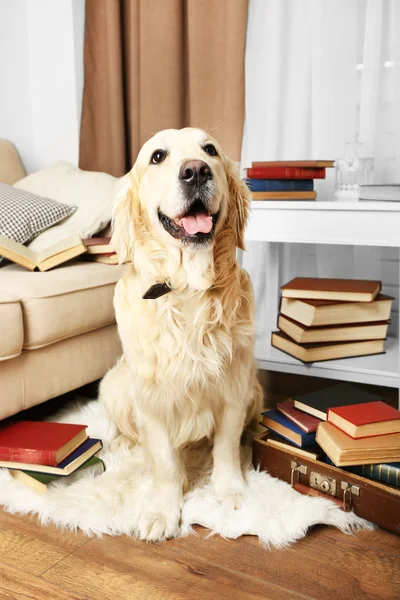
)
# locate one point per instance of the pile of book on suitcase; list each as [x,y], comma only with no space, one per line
[326,319]
[39,453]
[285,179]
[341,425]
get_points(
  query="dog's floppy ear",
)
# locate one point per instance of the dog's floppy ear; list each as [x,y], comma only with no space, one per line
[239,202]
[122,239]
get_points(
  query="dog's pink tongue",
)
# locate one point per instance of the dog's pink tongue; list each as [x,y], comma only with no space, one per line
[200,222]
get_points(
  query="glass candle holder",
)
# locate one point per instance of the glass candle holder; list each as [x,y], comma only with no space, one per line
[351,171]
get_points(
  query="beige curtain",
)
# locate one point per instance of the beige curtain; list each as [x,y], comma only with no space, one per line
[158,64]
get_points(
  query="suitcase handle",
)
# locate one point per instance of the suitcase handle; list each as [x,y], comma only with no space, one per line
[348,490]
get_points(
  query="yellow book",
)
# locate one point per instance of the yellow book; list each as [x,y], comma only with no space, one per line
[56,254]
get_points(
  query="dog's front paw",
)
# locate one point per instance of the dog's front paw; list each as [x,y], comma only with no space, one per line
[231,492]
[159,525]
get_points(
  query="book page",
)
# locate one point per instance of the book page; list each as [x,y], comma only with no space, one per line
[64,244]
[8,246]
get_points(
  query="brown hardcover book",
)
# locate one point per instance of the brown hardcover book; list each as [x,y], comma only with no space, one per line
[316,313]
[284,195]
[98,245]
[345,451]
[318,288]
[272,439]
[332,333]
[308,353]
[306,164]
[54,255]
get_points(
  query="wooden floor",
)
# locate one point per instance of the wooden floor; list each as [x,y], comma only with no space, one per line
[43,563]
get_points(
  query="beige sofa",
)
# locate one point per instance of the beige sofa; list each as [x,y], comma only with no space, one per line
[57,329]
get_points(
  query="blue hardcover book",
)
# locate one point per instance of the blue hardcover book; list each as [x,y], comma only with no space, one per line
[280,185]
[279,424]
[384,472]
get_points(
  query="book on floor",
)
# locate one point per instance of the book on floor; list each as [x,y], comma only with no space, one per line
[40,482]
[303,420]
[384,192]
[314,313]
[388,473]
[98,245]
[282,172]
[332,333]
[313,164]
[299,195]
[345,451]
[279,424]
[365,420]
[309,353]
[280,185]
[65,249]
[319,402]
[39,442]
[319,288]
[85,451]
[313,451]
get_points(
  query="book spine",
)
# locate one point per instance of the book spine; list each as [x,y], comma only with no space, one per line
[280,185]
[285,173]
[384,473]
[31,457]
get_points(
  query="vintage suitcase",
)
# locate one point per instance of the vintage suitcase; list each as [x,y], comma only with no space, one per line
[374,501]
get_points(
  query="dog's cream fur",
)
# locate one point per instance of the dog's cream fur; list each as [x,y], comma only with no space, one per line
[187,370]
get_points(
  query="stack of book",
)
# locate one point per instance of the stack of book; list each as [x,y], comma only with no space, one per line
[286,180]
[38,453]
[99,250]
[326,319]
[342,425]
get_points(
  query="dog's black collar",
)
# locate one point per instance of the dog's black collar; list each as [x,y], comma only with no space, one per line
[156,291]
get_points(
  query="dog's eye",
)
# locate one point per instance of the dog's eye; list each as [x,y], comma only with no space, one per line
[211,150]
[158,156]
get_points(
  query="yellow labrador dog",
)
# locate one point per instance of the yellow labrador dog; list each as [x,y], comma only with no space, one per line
[185,315]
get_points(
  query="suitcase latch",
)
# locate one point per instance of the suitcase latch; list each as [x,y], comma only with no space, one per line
[296,469]
[348,492]
[323,483]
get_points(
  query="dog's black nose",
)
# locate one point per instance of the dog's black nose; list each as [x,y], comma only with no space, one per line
[195,172]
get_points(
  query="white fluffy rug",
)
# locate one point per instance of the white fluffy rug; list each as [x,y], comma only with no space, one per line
[113,502]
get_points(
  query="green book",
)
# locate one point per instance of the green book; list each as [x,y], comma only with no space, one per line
[384,473]
[40,481]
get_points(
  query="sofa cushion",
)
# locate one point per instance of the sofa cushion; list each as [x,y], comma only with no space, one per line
[12,328]
[24,215]
[64,302]
[93,194]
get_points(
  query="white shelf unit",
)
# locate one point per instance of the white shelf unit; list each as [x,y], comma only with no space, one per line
[337,223]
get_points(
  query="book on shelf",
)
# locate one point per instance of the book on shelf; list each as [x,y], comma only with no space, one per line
[319,288]
[298,195]
[279,424]
[314,313]
[319,402]
[365,420]
[388,473]
[383,192]
[65,249]
[280,185]
[332,333]
[345,451]
[85,451]
[39,442]
[303,420]
[282,172]
[98,245]
[314,451]
[40,482]
[304,164]
[308,353]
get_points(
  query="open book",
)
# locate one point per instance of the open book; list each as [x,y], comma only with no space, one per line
[54,255]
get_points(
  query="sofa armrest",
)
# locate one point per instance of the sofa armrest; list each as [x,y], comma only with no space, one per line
[11,167]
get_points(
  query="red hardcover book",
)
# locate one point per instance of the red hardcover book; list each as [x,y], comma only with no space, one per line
[97,241]
[285,173]
[365,420]
[306,422]
[311,164]
[37,442]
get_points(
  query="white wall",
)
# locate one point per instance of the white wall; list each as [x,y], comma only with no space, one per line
[41,75]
